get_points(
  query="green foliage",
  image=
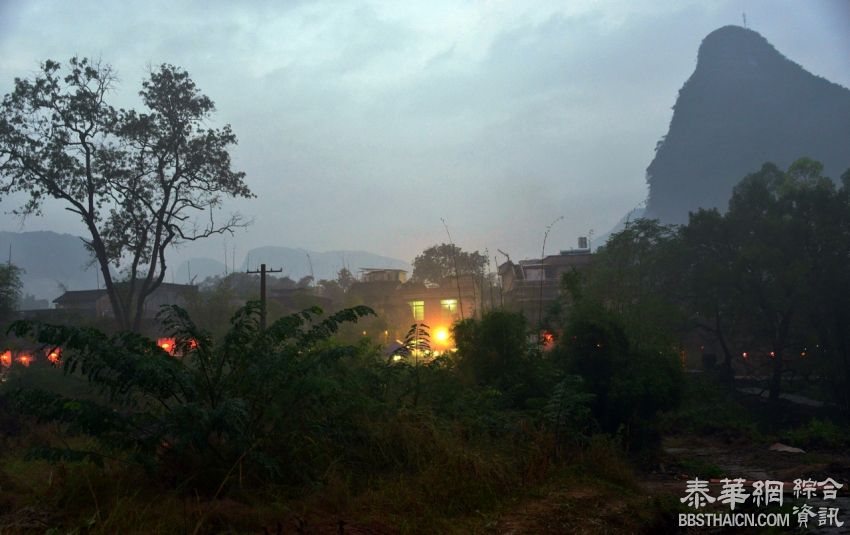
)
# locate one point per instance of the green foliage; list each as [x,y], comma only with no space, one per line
[820,433]
[136,180]
[443,261]
[10,290]
[769,276]
[495,352]
[710,409]
[242,401]
[631,385]
[416,345]
[568,412]
[635,275]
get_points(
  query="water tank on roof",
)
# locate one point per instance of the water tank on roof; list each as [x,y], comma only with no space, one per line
[582,242]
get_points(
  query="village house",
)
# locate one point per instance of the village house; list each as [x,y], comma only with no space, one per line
[531,286]
[403,302]
[95,303]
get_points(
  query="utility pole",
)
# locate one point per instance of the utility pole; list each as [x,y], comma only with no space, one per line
[543,276]
[262,273]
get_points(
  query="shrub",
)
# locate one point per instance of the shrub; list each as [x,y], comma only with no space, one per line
[819,434]
[255,400]
[631,386]
[494,352]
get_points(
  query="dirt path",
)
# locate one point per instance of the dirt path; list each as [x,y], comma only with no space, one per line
[578,508]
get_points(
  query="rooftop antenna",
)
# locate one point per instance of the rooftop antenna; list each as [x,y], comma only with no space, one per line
[454,258]
[744,16]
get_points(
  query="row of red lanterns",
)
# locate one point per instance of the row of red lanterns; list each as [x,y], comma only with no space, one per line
[54,355]
[26,358]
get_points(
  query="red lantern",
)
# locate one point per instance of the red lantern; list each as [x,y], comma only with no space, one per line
[167,345]
[54,355]
[25,359]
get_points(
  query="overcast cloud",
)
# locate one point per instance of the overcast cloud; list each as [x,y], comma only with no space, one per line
[361,124]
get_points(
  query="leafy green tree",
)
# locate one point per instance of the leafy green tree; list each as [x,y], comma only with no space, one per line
[710,289]
[769,275]
[10,291]
[631,383]
[635,275]
[345,279]
[824,214]
[767,231]
[140,182]
[443,261]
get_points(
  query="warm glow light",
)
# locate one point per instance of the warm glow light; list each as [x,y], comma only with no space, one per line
[167,345]
[54,356]
[745,354]
[24,359]
[6,359]
[772,354]
[441,335]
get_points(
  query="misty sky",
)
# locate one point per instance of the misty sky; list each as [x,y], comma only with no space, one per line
[361,124]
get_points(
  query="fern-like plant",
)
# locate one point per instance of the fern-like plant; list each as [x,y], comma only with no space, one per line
[239,402]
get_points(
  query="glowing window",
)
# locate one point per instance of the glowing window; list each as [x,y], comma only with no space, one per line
[418,309]
[449,307]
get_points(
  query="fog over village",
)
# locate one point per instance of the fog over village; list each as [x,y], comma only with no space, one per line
[425,267]
[498,116]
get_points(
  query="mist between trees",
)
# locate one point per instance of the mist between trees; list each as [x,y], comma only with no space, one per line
[310,409]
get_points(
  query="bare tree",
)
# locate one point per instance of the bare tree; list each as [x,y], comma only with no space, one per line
[141,182]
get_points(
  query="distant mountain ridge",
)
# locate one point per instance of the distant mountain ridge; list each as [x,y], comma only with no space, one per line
[745,104]
[54,262]
[296,264]
[51,262]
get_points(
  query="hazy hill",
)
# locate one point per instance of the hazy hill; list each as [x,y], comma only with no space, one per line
[295,263]
[51,261]
[745,104]
[54,261]
[197,269]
